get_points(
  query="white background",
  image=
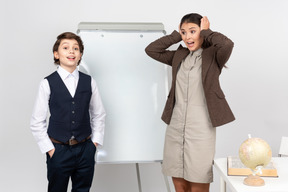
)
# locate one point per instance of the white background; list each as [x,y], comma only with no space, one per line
[255,84]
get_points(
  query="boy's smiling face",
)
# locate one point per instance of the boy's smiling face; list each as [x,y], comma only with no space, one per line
[68,54]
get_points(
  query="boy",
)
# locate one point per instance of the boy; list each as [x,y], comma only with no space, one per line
[77,119]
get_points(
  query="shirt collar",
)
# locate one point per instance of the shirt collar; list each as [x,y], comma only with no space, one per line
[197,52]
[65,74]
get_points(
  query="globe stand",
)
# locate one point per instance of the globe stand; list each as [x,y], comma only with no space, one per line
[254,179]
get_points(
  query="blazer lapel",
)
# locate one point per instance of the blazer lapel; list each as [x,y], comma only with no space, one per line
[181,54]
[206,63]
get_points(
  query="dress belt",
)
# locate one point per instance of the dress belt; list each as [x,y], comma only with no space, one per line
[70,142]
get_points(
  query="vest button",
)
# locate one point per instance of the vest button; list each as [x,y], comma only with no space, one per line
[73,102]
[73,112]
[73,122]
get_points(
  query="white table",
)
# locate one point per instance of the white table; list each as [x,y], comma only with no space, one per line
[272,184]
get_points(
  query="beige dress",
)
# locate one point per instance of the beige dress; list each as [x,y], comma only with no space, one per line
[190,137]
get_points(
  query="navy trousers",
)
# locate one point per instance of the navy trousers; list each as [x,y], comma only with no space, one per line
[76,162]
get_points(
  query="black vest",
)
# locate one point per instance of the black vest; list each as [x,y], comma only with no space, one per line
[69,116]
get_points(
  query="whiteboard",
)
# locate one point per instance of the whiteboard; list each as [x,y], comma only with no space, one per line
[133,89]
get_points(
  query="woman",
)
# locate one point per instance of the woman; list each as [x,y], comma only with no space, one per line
[196,103]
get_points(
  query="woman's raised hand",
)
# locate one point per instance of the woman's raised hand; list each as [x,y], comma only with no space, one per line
[205,24]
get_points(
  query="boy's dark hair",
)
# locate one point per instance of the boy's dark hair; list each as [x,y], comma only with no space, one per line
[191,18]
[67,35]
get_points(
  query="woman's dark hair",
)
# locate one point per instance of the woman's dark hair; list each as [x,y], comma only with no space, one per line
[67,35]
[191,18]
[194,18]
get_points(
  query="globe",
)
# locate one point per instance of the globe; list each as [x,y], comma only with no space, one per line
[255,153]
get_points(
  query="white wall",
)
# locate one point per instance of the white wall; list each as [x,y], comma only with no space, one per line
[256,82]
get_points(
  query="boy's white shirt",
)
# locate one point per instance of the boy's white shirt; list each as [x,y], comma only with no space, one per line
[38,123]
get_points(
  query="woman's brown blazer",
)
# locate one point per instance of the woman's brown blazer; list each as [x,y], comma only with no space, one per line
[217,49]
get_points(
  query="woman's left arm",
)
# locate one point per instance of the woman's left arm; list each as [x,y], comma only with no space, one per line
[220,42]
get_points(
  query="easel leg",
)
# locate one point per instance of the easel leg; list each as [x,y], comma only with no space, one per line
[138,177]
[166,181]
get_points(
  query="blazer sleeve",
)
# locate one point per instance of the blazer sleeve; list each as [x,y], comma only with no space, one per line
[223,45]
[158,49]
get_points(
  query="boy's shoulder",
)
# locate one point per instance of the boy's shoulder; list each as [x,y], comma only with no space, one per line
[51,75]
[84,74]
